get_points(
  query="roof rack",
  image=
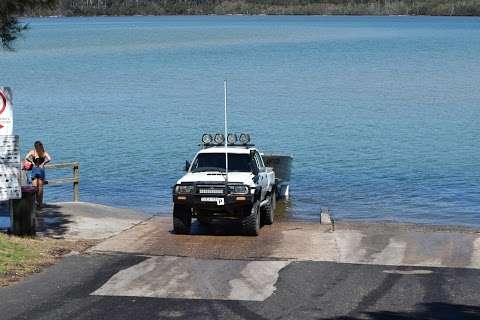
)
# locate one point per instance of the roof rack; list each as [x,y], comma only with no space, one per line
[218,139]
[211,145]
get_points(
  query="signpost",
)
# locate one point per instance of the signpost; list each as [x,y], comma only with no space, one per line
[10,187]
[22,209]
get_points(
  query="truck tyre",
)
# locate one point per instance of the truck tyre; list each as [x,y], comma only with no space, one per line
[251,224]
[269,210]
[182,219]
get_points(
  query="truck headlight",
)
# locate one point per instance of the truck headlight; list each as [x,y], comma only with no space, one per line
[238,189]
[181,188]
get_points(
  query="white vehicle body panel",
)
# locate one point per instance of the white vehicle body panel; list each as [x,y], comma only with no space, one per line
[265,180]
[214,176]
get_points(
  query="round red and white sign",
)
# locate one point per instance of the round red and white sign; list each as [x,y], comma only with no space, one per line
[3,102]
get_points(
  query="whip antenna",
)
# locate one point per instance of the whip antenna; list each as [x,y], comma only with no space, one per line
[226,137]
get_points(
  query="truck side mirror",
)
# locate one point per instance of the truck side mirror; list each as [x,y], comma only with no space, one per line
[187,165]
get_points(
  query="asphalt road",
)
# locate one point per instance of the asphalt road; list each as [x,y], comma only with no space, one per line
[304,290]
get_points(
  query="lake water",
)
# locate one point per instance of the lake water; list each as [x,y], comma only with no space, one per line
[381,114]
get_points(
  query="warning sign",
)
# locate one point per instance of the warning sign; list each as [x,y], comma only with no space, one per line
[6,111]
[3,98]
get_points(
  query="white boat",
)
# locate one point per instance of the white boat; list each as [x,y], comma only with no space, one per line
[282,166]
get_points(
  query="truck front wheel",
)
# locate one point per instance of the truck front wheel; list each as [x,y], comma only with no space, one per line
[251,224]
[182,219]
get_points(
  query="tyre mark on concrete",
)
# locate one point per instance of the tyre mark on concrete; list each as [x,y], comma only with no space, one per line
[297,297]
[434,286]
[374,295]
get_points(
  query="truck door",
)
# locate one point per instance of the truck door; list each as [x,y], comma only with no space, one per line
[262,174]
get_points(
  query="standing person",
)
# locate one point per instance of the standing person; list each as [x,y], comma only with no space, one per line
[38,157]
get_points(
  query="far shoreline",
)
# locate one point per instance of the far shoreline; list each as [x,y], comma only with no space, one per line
[440,8]
[248,15]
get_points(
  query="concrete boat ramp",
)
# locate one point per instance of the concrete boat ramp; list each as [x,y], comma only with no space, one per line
[293,270]
[126,231]
[381,244]
[85,221]
[217,263]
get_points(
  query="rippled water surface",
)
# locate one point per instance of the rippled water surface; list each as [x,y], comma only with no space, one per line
[381,114]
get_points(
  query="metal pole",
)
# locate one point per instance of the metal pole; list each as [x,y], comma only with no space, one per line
[226,136]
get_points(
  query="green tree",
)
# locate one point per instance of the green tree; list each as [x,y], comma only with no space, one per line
[10,10]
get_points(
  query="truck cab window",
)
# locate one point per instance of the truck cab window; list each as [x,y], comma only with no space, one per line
[259,161]
[216,162]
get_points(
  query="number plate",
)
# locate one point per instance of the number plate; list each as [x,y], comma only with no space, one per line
[219,201]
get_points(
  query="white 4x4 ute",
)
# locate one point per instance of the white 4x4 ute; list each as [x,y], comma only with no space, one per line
[205,192]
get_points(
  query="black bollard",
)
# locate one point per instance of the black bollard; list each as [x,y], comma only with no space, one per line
[23,213]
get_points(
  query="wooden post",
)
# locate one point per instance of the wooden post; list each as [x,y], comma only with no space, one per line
[76,191]
[75,179]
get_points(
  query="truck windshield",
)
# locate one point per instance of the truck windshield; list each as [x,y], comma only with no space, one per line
[216,162]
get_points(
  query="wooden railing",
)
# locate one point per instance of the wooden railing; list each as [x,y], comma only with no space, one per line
[74,181]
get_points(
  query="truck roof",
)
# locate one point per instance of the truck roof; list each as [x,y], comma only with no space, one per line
[230,149]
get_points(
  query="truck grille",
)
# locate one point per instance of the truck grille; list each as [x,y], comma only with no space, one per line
[203,190]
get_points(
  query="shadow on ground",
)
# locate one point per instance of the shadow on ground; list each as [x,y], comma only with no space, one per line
[233,227]
[215,228]
[430,311]
[52,222]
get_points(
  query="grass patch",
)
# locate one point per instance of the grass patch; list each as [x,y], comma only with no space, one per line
[20,257]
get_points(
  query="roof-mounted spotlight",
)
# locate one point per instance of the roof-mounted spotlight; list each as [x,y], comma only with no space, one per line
[219,138]
[244,138]
[207,138]
[232,138]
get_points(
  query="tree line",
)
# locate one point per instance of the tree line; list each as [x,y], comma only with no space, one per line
[271,7]
[11,28]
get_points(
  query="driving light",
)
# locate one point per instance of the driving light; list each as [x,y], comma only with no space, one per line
[231,138]
[184,188]
[244,138]
[219,138]
[207,138]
